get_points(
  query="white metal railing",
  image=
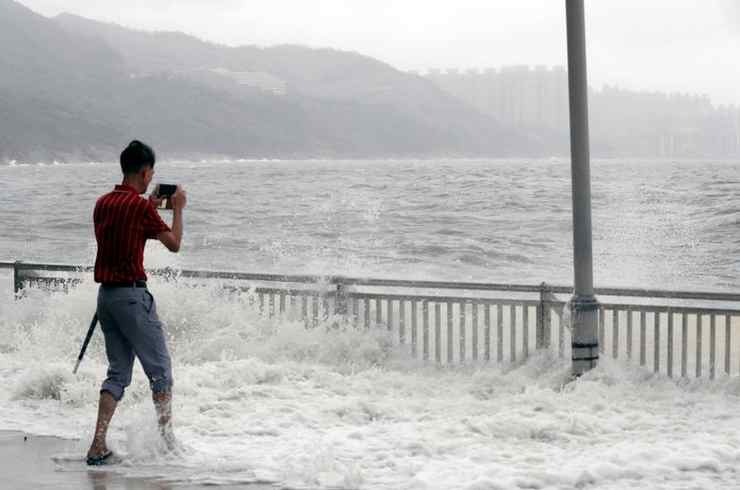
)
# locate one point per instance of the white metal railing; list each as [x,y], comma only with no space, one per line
[678,333]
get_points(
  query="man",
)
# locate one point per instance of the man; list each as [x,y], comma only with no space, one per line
[128,317]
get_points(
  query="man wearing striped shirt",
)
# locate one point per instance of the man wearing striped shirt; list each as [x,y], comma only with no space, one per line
[124,221]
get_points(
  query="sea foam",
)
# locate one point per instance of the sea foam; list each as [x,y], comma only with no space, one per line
[332,406]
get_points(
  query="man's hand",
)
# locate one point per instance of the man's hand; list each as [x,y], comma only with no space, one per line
[156,201]
[179,199]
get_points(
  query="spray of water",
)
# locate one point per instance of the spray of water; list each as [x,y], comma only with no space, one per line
[333,406]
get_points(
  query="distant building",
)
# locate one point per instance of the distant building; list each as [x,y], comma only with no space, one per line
[623,122]
[516,95]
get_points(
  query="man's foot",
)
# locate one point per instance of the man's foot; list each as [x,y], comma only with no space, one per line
[171,444]
[100,459]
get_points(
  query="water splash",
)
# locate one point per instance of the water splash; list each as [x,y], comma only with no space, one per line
[266,399]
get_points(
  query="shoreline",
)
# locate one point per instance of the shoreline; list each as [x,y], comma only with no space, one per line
[27,464]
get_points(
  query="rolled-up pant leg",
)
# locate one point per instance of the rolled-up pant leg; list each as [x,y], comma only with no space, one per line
[131,326]
[150,345]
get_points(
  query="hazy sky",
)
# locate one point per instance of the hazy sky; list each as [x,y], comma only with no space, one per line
[669,45]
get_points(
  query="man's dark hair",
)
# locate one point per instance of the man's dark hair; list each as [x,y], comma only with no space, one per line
[136,156]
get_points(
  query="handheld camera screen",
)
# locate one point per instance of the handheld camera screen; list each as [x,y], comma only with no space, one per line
[166,190]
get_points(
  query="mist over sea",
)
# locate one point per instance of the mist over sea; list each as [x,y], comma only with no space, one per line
[656,223]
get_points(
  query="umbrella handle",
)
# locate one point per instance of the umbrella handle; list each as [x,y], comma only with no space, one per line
[87,341]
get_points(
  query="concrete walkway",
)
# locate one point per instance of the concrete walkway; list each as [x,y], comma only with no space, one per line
[26,464]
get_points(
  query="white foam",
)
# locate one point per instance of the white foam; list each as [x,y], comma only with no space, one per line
[332,407]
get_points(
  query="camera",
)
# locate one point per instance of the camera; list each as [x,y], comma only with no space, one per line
[165,191]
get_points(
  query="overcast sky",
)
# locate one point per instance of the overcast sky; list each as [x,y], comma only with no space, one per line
[669,45]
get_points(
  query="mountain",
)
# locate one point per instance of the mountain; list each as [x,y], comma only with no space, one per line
[74,88]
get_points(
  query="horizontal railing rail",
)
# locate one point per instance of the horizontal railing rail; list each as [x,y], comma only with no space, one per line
[420,284]
[459,322]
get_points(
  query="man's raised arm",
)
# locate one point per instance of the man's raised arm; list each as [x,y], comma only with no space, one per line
[173,239]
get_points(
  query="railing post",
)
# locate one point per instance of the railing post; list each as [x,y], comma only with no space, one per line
[543,318]
[340,302]
[17,279]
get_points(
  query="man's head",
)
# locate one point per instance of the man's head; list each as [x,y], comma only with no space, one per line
[137,165]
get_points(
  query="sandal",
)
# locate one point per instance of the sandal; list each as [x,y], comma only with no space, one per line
[100,459]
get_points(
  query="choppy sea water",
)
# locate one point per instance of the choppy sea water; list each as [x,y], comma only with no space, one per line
[267,400]
[655,223]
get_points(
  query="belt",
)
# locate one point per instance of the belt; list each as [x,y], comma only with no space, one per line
[132,284]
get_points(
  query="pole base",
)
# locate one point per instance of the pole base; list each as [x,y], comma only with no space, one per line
[585,357]
[585,342]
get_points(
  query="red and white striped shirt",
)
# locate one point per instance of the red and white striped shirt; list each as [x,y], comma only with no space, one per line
[124,221]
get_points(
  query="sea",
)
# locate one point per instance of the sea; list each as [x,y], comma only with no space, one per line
[267,400]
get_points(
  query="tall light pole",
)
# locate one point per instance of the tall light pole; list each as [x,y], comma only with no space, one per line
[585,341]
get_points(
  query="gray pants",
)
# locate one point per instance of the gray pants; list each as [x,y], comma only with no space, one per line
[128,318]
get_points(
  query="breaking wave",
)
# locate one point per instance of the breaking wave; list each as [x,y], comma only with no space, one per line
[333,406]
